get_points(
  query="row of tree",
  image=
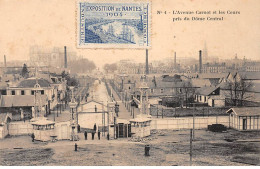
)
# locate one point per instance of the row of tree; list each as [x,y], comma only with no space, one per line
[81,66]
[110,68]
[238,91]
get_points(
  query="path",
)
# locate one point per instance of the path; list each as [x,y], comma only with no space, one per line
[123,112]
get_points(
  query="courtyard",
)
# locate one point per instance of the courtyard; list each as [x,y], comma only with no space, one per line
[168,148]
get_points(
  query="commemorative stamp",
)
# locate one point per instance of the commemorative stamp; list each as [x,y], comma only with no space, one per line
[113,24]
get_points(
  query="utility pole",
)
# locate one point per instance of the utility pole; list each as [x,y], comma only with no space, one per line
[193,133]
[190,147]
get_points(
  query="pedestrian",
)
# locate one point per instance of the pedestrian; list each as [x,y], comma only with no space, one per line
[95,127]
[93,135]
[78,128]
[98,134]
[33,136]
[86,135]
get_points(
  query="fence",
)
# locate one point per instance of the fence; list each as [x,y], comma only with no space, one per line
[162,111]
[20,128]
[187,122]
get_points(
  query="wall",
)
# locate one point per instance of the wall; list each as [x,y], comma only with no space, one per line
[20,128]
[63,130]
[184,112]
[187,122]
[3,131]
[217,103]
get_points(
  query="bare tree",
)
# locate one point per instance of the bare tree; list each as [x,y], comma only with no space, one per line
[243,89]
[188,91]
[238,90]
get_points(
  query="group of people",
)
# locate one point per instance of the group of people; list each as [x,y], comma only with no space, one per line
[92,133]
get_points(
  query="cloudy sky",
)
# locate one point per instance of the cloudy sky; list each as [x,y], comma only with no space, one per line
[53,23]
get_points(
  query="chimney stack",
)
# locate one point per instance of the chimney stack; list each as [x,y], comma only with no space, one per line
[65,57]
[146,63]
[5,60]
[200,61]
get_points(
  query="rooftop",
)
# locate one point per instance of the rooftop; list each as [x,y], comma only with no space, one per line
[29,83]
[245,111]
[20,100]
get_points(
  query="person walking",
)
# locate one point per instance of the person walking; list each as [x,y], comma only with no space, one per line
[78,128]
[33,137]
[95,127]
[93,135]
[86,135]
[98,134]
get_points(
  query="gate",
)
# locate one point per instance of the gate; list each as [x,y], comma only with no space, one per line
[123,130]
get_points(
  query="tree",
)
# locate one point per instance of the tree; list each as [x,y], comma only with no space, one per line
[82,66]
[110,67]
[25,72]
[71,81]
[188,91]
[238,90]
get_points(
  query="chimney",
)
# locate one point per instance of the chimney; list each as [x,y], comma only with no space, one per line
[146,63]
[65,57]
[200,61]
[175,63]
[5,60]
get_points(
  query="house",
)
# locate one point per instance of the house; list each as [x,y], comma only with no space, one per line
[20,105]
[20,97]
[209,95]
[244,118]
[246,82]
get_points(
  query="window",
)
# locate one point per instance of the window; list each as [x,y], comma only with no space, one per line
[3,92]
[151,90]
[32,92]
[161,90]
[200,98]
[22,92]
[13,92]
[42,92]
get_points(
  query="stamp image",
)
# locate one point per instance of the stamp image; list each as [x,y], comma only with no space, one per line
[114,25]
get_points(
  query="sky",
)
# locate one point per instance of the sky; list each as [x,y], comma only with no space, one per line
[53,23]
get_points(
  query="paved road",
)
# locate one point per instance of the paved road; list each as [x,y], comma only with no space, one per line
[123,112]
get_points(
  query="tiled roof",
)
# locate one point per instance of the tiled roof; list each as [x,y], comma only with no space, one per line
[20,100]
[200,82]
[212,75]
[245,111]
[205,91]
[29,83]
[250,75]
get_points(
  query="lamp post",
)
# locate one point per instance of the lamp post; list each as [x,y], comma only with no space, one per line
[73,112]
[116,109]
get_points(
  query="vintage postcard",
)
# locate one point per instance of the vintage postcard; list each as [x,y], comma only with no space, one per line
[129,83]
[114,24]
